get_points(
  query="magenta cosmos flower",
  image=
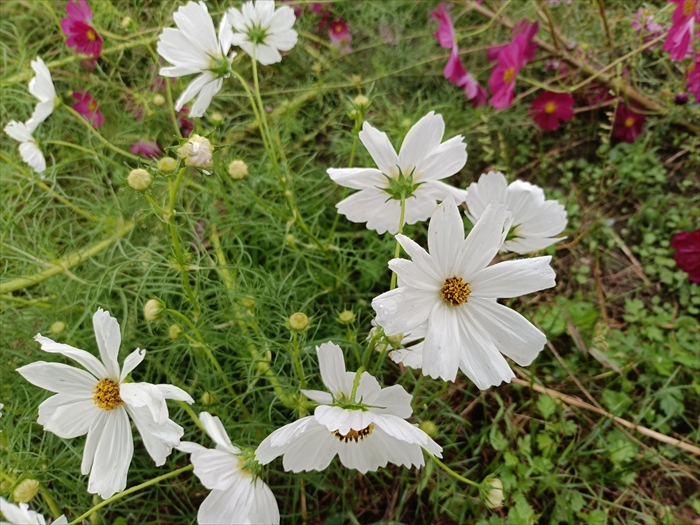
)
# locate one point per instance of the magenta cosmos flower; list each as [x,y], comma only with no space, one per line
[510,60]
[88,108]
[145,148]
[523,30]
[454,70]
[693,77]
[550,108]
[680,37]
[81,35]
[628,125]
[687,246]
[339,35]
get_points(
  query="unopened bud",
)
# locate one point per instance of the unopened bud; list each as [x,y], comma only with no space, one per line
[316,68]
[493,496]
[361,102]
[216,118]
[167,165]
[238,169]
[290,240]
[428,427]
[174,331]
[298,322]
[197,152]
[25,491]
[406,123]
[346,316]
[126,21]
[395,340]
[57,327]
[139,179]
[158,99]
[153,309]
[207,398]
[248,302]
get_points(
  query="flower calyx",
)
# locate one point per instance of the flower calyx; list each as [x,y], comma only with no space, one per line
[401,187]
[248,463]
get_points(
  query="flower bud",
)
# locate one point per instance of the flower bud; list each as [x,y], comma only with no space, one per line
[290,240]
[57,327]
[298,322]
[25,491]
[197,152]
[139,179]
[238,169]
[174,331]
[346,316]
[428,427]
[681,98]
[126,22]
[493,496]
[158,99]
[316,68]
[361,102]
[207,398]
[167,165]
[216,118]
[395,340]
[153,309]
[248,302]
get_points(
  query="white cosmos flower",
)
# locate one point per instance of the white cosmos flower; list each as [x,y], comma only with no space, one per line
[21,515]
[195,49]
[422,154]
[535,220]
[456,292]
[261,31]
[41,86]
[366,432]
[411,356]
[236,495]
[99,403]
[28,147]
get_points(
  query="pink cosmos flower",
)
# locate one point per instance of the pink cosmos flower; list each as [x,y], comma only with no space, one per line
[524,32]
[502,81]
[628,124]
[88,108]
[81,35]
[324,11]
[687,246]
[643,21]
[148,149]
[339,35]
[693,77]
[680,37]
[549,108]
[454,69]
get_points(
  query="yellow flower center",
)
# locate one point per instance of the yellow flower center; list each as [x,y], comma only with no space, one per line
[355,435]
[106,394]
[455,291]
[92,105]
[508,75]
[629,122]
[688,7]
[91,36]
[550,107]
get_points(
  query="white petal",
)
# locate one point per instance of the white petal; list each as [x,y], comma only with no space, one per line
[419,207]
[529,244]
[226,507]
[189,447]
[512,334]
[236,19]
[57,377]
[41,85]
[132,361]
[178,71]
[441,348]
[216,469]
[32,155]
[403,309]
[205,97]
[266,55]
[225,34]
[174,392]
[513,278]
[19,514]
[421,258]
[196,24]
[89,361]
[381,150]
[322,398]
[332,365]
[410,274]
[264,509]
[282,20]
[338,419]
[41,113]
[373,206]
[49,406]
[367,454]
[368,389]
[393,400]
[109,338]
[176,48]
[112,456]
[400,452]
[94,437]
[72,419]
[283,40]
[445,161]
[491,186]
[193,89]
[446,237]
[216,431]
[18,131]
[484,241]
[546,220]
[420,141]
[410,357]
[158,438]
[440,191]
[145,395]
[357,178]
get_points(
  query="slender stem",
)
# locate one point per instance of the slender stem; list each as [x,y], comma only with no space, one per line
[601,8]
[104,141]
[378,334]
[297,361]
[453,473]
[397,251]
[557,44]
[155,205]
[84,150]
[126,492]
[179,254]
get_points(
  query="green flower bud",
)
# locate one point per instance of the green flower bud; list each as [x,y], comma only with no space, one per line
[153,309]
[126,22]
[57,327]
[238,169]
[216,118]
[25,491]
[298,322]
[139,179]
[346,316]
[158,100]
[207,398]
[428,427]
[167,165]
[361,102]
[174,331]
[493,493]
[395,340]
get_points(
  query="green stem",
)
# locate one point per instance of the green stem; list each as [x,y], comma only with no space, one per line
[103,140]
[378,334]
[155,205]
[397,251]
[84,150]
[454,474]
[179,254]
[356,383]
[126,492]
[297,361]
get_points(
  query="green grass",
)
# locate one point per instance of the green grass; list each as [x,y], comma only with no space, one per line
[628,332]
